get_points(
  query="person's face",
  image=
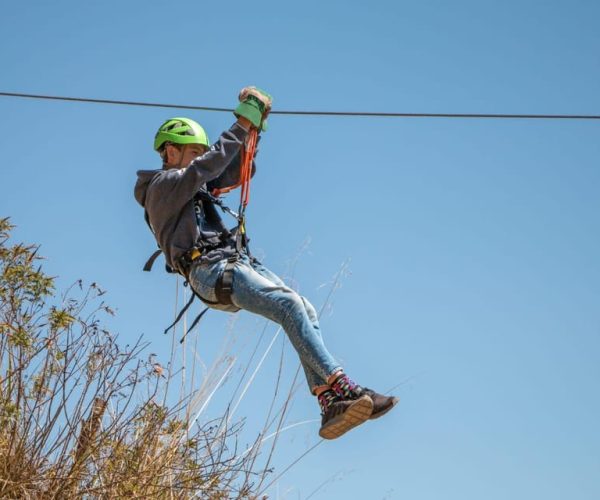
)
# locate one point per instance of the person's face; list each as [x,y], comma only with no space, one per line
[181,157]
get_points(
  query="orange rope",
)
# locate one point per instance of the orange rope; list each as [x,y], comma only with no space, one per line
[248,151]
[246,166]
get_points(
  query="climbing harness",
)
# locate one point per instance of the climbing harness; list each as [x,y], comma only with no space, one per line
[203,200]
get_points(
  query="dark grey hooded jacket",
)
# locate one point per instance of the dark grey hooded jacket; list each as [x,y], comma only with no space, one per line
[168,197]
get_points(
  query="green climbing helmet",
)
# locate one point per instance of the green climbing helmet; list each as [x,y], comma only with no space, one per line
[180,131]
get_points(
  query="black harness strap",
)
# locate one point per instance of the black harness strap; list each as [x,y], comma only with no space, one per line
[150,261]
[194,323]
[224,285]
[181,313]
[223,289]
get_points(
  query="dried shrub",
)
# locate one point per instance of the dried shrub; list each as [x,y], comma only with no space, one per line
[81,416]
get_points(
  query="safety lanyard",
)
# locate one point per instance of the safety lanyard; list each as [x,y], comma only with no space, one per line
[247,155]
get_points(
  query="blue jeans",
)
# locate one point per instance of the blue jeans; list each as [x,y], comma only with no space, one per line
[260,291]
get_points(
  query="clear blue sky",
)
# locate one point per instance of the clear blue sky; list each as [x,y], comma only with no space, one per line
[474,245]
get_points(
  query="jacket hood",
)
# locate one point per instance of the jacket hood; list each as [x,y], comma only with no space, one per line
[143,181]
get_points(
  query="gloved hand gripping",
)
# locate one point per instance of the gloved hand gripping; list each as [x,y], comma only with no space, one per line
[255,105]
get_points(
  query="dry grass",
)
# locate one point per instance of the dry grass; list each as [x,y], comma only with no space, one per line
[82,417]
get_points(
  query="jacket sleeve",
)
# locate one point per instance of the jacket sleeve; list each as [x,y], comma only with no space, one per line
[178,186]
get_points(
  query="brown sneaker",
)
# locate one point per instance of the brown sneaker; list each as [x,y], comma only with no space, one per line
[381,404]
[348,390]
[339,416]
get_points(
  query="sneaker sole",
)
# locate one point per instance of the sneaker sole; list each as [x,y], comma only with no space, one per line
[375,416]
[356,414]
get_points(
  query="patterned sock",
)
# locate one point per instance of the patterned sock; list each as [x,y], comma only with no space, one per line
[326,399]
[344,387]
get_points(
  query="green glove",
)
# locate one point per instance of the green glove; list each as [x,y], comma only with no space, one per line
[255,105]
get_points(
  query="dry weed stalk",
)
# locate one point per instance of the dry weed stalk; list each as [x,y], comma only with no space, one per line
[83,417]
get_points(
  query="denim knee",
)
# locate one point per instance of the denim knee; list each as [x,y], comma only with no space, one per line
[291,304]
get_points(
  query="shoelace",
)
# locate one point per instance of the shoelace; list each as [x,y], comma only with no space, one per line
[344,386]
[326,399]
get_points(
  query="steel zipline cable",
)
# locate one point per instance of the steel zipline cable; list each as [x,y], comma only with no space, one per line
[310,113]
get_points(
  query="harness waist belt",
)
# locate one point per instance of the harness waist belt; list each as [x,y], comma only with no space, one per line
[184,263]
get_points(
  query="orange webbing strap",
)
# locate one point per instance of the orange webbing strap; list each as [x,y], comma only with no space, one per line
[246,166]
[248,150]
